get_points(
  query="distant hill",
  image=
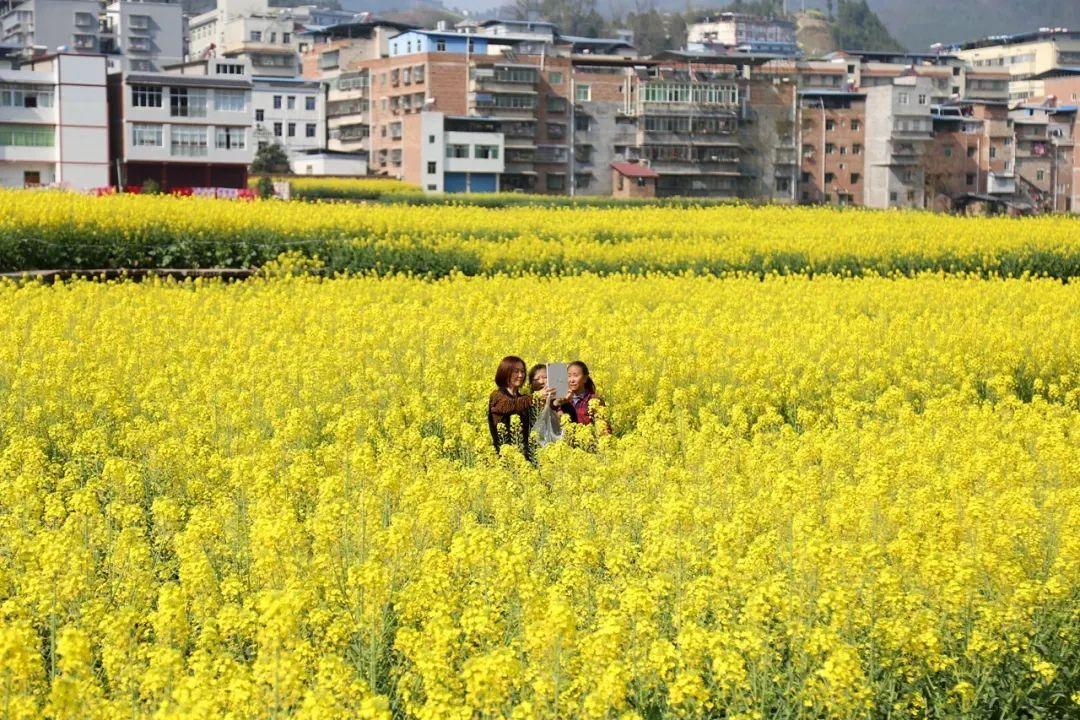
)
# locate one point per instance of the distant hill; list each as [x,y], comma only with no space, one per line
[918,24]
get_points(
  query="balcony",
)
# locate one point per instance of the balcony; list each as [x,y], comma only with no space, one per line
[1001,183]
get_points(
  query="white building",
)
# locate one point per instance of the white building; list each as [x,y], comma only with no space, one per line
[329,162]
[290,112]
[898,128]
[746,32]
[147,35]
[54,122]
[53,24]
[460,154]
[189,126]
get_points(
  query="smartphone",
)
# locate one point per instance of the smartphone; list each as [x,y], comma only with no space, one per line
[556,378]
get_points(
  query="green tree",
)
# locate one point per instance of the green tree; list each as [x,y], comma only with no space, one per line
[857,27]
[270,158]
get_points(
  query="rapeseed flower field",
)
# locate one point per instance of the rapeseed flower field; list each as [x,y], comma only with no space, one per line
[63,230]
[824,497]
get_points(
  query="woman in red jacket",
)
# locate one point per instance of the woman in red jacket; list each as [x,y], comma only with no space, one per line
[582,390]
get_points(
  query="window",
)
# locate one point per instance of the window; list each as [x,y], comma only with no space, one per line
[431,139]
[856,149]
[554,78]
[829,148]
[256,36]
[922,99]
[139,44]
[277,129]
[31,178]
[783,184]
[706,93]
[187,102]
[145,135]
[309,130]
[309,103]
[830,125]
[286,38]
[556,131]
[457,151]
[1040,175]
[971,152]
[230,138]
[290,103]
[805,177]
[418,74]
[86,20]
[556,104]
[855,126]
[26,96]
[85,42]
[829,177]
[277,102]
[947,151]
[292,130]
[440,46]
[582,93]
[582,123]
[993,152]
[892,197]
[27,135]
[432,168]
[556,181]
[230,69]
[903,98]
[230,100]
[260,115]
[486,152]
[188,140]
[1008,141]
[145,96]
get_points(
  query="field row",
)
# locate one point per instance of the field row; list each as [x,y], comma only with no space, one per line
[57,230]
[823,498]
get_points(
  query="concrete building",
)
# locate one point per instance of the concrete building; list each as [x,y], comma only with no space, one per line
[142,36]
[972,156]
[748,33]
[460,154]
[188,126]
[53,122]
[898,129]
[290,112]
[52,25]
[1025,56]
[1044,136]
[328,162]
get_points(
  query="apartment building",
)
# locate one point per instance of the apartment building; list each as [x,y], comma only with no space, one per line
[972,155]
[832,145]
[188,126]
[897,130]
[142,36]
[1044,135]
[750,33]
[460,154]
[1025,57]
[53,122]
[290,112]
[70,26]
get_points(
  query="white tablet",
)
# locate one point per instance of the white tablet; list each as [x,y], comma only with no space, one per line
[556,378]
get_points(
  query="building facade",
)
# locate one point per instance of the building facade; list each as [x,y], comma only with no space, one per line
[290,112]
[1025,57]
[53,123]
[189,126]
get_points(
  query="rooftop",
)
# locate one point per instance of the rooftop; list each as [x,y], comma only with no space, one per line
[634,170]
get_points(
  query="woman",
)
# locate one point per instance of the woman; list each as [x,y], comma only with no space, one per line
[545,419]
[582,391]
[507,401]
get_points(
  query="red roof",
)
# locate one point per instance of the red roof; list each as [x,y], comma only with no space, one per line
[634,170]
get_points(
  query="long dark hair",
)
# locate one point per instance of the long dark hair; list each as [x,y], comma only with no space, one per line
[589,384]
[506,370]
